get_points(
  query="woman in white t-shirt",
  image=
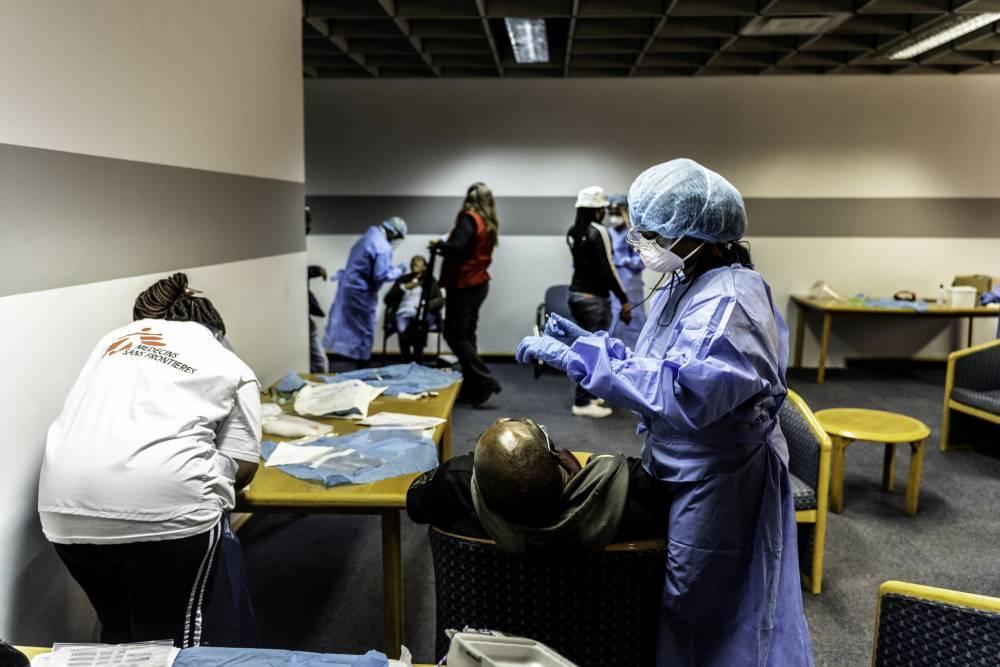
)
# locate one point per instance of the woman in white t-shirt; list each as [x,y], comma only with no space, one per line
[141,470]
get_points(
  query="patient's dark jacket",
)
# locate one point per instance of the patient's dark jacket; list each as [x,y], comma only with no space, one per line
[611,499]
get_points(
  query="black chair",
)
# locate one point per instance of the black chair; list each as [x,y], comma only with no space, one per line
[809,464]
[599,609]
[556,301]
[972,386]
[436,325]
[921,626]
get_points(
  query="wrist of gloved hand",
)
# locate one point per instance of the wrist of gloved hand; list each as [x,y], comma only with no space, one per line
[545,349]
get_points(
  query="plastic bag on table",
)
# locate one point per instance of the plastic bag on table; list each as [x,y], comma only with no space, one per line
[348,399]
[382,453]
[411,378]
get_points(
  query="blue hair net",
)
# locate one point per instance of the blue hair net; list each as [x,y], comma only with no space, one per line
[683,198]
[396,225]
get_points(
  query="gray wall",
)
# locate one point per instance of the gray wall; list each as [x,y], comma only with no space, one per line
[136,139]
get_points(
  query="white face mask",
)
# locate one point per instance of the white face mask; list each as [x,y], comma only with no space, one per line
[663,260]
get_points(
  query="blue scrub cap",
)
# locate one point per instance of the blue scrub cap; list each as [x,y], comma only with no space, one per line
[617,200]
[396,225]
[682,198]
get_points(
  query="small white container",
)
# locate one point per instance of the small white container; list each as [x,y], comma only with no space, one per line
[476,650]
[962,297]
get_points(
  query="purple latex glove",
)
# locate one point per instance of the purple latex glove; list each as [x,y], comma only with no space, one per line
[544,349]
[563,330]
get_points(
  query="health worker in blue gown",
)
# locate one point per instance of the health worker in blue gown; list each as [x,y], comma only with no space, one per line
[350,329]
[629,267]
[707,379]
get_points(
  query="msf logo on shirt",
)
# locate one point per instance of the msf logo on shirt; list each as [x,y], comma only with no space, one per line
[145,337]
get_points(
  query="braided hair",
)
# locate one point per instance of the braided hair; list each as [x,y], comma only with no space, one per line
[172,299]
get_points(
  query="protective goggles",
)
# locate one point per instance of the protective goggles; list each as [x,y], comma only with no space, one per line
[635,238]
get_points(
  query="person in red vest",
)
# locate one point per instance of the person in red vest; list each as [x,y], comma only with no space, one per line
[467,252]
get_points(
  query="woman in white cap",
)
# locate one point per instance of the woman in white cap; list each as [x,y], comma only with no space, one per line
[594,280]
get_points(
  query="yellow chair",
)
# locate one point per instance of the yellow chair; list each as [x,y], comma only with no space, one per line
[809,464]
[919,625]
[972,386]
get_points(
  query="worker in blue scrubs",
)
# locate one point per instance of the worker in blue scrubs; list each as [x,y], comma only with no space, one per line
[707,379]
[350,329]
[629,267]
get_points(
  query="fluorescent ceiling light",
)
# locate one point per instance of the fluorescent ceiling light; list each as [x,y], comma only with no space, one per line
[528,39]
[962,25]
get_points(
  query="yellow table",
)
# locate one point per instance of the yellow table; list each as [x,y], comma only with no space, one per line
[274,491]
[846,425]
[830,307]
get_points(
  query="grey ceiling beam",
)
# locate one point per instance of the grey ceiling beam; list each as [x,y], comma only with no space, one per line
[715,56]
[481,8]
[569,37]
[404,27]
[322,26]
[652,38]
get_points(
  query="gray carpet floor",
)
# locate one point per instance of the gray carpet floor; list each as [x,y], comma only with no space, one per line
[316,581]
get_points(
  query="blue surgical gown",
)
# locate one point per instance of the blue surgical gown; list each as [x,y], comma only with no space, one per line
[350,329]
[707,380]
[630,269]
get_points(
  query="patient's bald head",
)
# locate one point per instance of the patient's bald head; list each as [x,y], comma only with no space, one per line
[518,474]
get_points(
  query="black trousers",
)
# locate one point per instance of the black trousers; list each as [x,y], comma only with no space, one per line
[337,363]
[461,319]
[191,590]
[593,313]
[410,344]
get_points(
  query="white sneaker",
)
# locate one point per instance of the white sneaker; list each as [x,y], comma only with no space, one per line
[592,409]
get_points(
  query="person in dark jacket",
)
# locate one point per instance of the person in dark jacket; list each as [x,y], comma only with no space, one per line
[402,302]
[595,278]
[531,498]
[468,252]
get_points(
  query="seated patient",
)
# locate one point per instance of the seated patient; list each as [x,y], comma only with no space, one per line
[402,301]
[529,497]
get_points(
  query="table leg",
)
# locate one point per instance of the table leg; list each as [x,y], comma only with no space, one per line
[824,346]
[837,474]
[392,582]
[445,449]
[800,334]
[888,467]
[971,320]
[913,477]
